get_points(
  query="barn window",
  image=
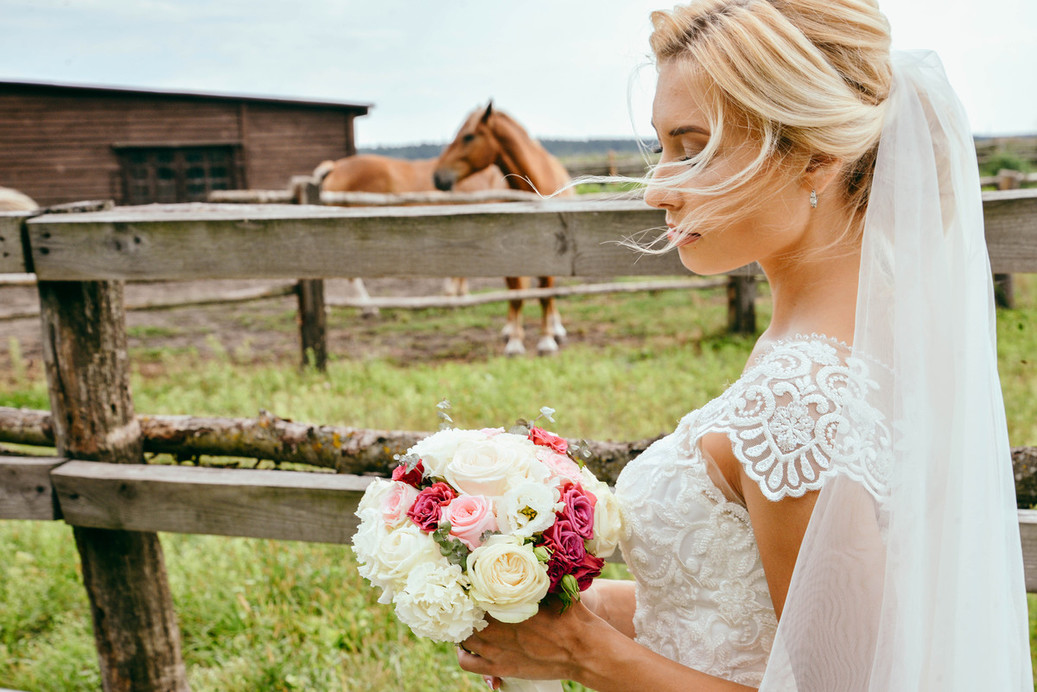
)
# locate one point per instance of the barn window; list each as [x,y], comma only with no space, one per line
[174,173]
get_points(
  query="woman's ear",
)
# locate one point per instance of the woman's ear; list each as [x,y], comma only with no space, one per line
[821,172]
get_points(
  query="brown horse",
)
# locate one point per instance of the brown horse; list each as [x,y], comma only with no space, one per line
[386,175]
[491,137]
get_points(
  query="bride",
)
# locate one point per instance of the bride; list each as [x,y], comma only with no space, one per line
[842,517]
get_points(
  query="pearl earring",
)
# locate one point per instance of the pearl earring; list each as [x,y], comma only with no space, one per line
[813,199]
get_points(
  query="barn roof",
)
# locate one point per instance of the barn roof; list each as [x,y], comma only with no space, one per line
[360,108]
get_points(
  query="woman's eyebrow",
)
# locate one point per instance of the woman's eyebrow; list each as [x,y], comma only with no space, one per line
[683,130]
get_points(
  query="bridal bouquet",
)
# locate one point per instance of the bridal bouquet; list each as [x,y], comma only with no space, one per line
[478,522]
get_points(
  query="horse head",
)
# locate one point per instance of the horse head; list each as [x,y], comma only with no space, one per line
[474,148]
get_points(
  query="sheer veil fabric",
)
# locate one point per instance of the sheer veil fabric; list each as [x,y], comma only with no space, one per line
[910,575]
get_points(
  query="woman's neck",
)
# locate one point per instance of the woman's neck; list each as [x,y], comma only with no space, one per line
[814,289]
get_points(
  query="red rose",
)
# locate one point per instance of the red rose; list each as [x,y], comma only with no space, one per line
[541,437]
[412,477]
[428,506]
[579,510]
[587,570]
[567,550]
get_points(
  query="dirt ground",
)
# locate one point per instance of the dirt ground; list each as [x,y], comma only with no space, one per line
[264,329]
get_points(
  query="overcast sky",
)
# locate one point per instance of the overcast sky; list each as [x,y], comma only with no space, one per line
[563,69]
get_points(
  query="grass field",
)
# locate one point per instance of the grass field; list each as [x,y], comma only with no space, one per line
[265,615]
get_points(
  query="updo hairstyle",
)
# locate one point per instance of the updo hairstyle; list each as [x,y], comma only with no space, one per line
[807,78]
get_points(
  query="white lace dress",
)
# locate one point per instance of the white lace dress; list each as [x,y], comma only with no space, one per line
[702,596]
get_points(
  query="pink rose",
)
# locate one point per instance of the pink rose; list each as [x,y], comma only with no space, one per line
[561,466]
[579,510]
[470,516]
[541,437]
[412,477]
[567,550]
[396,503]
[428,506]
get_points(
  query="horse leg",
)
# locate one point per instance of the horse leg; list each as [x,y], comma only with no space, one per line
[552,333]
[455,286]
[512,332]
[362,294]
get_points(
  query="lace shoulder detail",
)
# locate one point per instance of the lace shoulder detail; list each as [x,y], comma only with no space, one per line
[799,415]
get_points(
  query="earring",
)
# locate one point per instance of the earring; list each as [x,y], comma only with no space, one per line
[813,199]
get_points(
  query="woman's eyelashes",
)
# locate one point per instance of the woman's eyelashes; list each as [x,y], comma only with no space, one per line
[688,156]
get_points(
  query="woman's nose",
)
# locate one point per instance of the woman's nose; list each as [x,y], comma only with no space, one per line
[658,194]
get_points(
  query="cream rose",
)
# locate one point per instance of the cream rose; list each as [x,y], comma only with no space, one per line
[508,581]
[528,508]
[492,465]
[437,450]
[374,495]
[608,517]
[433,603]
[392,555]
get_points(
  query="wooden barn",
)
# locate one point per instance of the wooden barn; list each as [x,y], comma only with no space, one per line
[62,143]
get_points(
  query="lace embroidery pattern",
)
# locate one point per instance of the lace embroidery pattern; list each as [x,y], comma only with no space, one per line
[795,418]
[702,596]
[799,416]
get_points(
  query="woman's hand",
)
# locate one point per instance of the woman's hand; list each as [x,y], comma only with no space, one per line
[551,645]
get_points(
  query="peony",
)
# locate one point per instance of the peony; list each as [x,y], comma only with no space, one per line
[508,581]
[541,437]
[437,450]
[579,510]
[491,466]
[560,466]
[527,508]
[396,502]
[470,516]
[433,603]
[608,519]
[391,555]
[428,505]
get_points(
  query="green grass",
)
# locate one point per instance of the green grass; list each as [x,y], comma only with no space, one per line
[267,615]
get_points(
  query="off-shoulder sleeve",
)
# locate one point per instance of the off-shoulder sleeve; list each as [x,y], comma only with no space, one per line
[799,417]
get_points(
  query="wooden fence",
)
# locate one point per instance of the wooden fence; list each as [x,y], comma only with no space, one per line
[115,504]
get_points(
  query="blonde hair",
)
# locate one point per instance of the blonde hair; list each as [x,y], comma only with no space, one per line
[808,79]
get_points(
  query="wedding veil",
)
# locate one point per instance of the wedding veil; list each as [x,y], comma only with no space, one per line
[910,574]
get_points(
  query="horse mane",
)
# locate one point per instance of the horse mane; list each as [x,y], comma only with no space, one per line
[527,165]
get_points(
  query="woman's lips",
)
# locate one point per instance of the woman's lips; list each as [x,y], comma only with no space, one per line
[680,240]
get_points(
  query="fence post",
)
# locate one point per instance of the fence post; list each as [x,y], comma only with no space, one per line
[741,304]
[1004,293]
[313,331]
[84,350]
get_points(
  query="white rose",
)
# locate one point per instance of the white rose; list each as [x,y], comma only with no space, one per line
[374,496]
[508,581]
[491,466]
[528,508]
[433,603]
[608,517]
[393,554]
[437,450]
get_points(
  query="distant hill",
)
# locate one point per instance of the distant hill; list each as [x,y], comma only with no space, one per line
[562,148]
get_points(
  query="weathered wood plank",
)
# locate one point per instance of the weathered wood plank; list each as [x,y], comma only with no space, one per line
[281,505]
[1028,535]
[12,254]
[229,502]
[25,489]
[1010,217]
[285,241]
[559,238]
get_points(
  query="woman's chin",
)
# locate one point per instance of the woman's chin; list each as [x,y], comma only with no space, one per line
[701,264]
